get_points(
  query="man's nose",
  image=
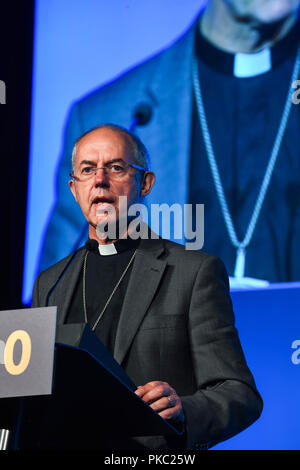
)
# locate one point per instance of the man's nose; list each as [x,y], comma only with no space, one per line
[101,176]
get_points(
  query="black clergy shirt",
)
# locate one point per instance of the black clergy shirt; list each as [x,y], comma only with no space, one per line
[243,116]
[102,274]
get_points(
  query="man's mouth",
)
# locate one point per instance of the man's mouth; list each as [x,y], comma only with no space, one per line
[104,204]
[102,200]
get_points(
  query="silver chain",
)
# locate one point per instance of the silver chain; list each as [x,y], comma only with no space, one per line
[241,245]
[111,295]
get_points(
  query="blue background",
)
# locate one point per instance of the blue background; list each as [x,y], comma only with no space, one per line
[268,322]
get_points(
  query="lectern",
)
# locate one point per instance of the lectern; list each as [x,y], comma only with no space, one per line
[92,404]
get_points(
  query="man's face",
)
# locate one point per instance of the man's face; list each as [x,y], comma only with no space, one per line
[100,193]
[263,11]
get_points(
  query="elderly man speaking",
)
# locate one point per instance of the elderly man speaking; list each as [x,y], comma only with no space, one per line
[163,312]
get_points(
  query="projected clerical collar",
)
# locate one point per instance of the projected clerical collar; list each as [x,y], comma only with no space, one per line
[247,65]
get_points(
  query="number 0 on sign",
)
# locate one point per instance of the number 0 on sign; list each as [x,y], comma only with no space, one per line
[10,366]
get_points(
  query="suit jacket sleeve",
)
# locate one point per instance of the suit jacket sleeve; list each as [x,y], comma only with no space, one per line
[226,400]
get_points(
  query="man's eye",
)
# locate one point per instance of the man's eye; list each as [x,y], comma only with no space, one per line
[117,168]
[87,170]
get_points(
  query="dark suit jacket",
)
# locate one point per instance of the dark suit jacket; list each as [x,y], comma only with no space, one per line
[176,325]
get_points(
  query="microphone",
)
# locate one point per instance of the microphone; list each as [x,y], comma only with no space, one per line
[141,116]
[91,245]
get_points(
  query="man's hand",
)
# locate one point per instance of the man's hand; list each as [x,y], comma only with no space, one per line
[163,399]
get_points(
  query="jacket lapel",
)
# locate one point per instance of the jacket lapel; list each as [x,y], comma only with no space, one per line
[62,292]
[144,280]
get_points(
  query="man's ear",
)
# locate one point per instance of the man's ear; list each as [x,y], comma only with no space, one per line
[73,190]
[147,183]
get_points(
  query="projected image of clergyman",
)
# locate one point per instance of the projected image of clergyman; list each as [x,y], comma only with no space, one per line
[216,134]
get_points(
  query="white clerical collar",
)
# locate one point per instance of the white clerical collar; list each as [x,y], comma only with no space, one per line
[107,250]
[251,65]
[112,248]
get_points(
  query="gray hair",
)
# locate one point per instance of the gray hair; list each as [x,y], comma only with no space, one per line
[140,153]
